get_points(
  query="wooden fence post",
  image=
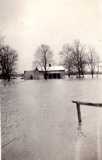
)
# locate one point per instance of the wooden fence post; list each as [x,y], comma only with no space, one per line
[78,112]
[78,103]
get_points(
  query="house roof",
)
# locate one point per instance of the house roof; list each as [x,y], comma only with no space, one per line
[54,68]
[50,69]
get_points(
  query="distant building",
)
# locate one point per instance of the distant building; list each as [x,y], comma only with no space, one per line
[53,72]
[33,74]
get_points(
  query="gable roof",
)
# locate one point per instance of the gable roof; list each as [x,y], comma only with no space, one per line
[56,68]
[53,68]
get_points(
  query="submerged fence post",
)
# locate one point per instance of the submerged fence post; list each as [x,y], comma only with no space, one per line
[78,103]
[78,112]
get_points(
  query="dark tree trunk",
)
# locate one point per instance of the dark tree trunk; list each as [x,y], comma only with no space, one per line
[69,75]
[79,74]
[92,74]
[45,75]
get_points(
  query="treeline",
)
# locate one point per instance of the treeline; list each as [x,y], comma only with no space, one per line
[8,61]
[78,59]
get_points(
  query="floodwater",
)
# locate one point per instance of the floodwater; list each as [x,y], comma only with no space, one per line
[39,120]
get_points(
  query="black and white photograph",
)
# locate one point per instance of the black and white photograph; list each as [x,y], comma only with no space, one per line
[51,79]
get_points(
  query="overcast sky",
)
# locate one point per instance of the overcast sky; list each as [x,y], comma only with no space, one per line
[28,23]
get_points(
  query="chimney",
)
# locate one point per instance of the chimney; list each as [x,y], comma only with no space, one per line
[49,65]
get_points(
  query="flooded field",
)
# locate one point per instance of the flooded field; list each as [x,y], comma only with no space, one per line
[39,120]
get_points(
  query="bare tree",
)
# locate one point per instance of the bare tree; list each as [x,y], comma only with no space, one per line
[79,58]
[75,58]
[92,60]
[8,59]
[67,55]
[36,64]
[43,58]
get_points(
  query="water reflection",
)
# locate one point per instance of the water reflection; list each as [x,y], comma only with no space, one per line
[81,133]
[89,139]
[80,136]
[7,82]
[99,149]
